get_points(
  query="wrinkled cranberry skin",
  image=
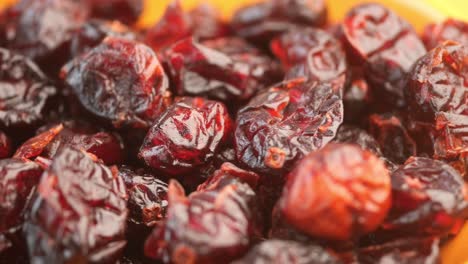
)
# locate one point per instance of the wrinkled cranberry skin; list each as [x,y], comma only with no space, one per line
[5,145]
[451,137]
[261,22]
[186,136]
[77,195]
[120,81]
[34,146]
[229,70]
[394,140]
[386,44]
[25,92]
[339,192]
[450,29]
[354,135]
[429,197]
[284,251]
[126,11]
[213,225]
[284,123]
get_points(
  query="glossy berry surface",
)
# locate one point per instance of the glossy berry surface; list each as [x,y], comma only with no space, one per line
[126,11]
[354,135]
[338,193]
[78,212]
[120,81]
[186,136]
[450,29]
[284,123]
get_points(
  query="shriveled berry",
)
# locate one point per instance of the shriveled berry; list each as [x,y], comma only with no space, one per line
[354,135]
[126,11]
[206,23]
[450,136]
[284,123]
[339,192]
[5,145]
[387,45]
[25,92]
[263,21]
[450,29]
[34,146]
[428,197]
[186,136]
[227,69]
[212,225]
[78,213]
[120,81]
[285,251]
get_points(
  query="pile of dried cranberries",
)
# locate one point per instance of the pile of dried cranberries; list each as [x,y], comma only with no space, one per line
[273,138]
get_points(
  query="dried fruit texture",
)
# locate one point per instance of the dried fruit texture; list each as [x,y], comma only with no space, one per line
[339,192]
[284,123]
[284,251]
[120,81]
[387,45]
[450,29]
[405,251]
[451,136]
[354,135]
[25,92]
[5,145]
[186,136]
[213,225]
[126,11]
[78,213]
[261,22]
[227,69]
[429,197]
[94,31]
[34,146]
[394,140]
[202,23]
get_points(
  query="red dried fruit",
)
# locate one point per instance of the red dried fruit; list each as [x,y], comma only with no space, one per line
[339,192]
[206,23]
[120,81]
[394,140]
[5,145]
[186,136]
[354,135]
[126,11]
[429,197]
[213,225]
[284,251]
[450,136]
[228,69]
[25,92]
[387,45]
[450,29]
[34,146]
[284,123]
[78,213]
[263,21]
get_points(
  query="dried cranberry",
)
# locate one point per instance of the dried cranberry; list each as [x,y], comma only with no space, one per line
[395,142]
[186,136]
[120,81]
[126,11]
[225,69]
[428,197]
[282,124]
[450,29]
[5,145]
[451,136]
[387,45]
[78,213]
[206,24]
[339,192]
[284,251]
[263,21]
[354,135]
[34,146]
[25,92]
[213,225]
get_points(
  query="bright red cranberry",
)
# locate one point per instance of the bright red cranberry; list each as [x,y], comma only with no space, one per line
[126,11]
[186,136]
[78,213]
[450,29]
[339,192]
[120,81]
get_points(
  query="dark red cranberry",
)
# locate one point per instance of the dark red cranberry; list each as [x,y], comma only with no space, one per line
[357,97]
[450,29]
[212,225]
[284,251]
[34,146]
[263,21]
[354,135]
[78,213]
[339,192]
[394,140]
[387,45]
[25,92]
[225,69]
[120,81]
[126,11]
[428,197]
[451,137]
[5,145]
[186,136]
[284,123]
